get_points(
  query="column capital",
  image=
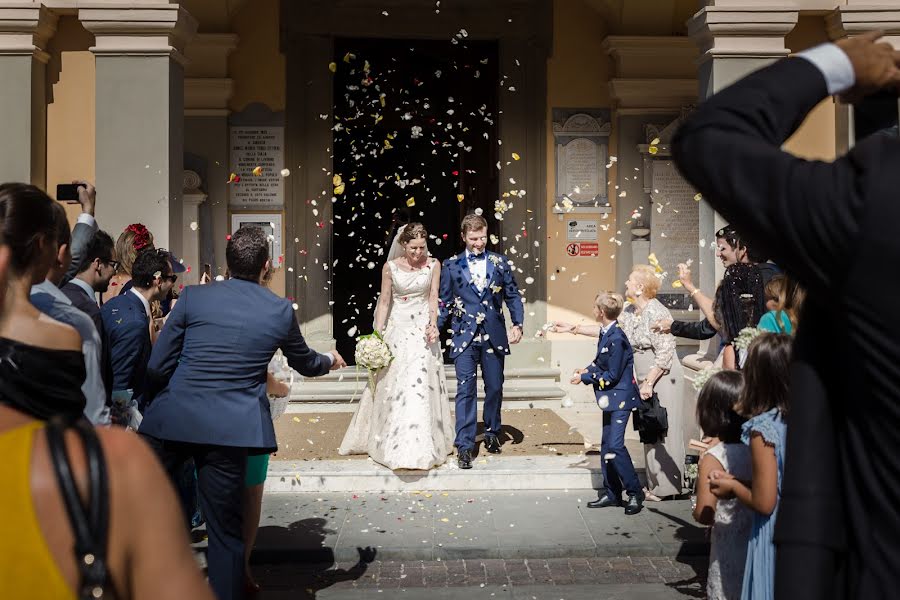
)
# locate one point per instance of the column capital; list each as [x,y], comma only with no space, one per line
[25,30]
[852,20]
[742,31]
[138,30]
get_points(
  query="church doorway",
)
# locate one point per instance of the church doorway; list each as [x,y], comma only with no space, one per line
[415,139]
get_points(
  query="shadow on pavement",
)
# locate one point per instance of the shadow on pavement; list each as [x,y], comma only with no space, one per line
[301,543]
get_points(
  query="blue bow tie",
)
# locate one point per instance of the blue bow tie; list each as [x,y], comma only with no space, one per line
[476,257]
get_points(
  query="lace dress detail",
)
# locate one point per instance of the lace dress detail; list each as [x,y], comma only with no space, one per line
[406,423]
[759,572]
[728,548]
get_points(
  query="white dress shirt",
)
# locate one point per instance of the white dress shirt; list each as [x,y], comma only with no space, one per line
[478,269]
[834,65]
[143,301]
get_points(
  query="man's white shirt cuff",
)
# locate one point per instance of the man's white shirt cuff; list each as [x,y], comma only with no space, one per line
[87,220]
[329,357]
[835,66]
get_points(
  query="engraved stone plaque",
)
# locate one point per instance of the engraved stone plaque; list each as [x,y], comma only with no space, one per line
[674,230]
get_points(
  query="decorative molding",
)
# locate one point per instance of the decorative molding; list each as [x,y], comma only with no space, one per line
[852,20]
[191,182]
[653,93]
[25,30]
[143,30]
[207,93]
[640,57]
[742,31]
[207,54]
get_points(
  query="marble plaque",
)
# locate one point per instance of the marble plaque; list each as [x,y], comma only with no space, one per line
[253,147]
[674,222]
[580,170]
[582,143]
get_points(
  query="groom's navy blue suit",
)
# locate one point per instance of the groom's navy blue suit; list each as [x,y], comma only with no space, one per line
[479,336]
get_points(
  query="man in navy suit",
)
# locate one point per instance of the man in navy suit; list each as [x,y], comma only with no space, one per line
[206,390]
[474,286]
[612,375]
[126,322]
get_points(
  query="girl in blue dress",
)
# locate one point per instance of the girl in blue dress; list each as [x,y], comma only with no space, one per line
[764,401]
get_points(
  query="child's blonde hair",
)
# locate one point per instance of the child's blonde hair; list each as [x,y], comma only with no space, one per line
[610,304]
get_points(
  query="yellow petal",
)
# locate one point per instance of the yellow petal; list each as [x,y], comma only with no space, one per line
[257,171]
[460,197]
[698,197]
[411,202]
[676,284]
[338,190]
[332,66]
[653,149]
[654,142]
[515,156]
[651,258]
[336,180]
[348,57]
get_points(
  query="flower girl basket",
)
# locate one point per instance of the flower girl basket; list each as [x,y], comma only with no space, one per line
[279,368]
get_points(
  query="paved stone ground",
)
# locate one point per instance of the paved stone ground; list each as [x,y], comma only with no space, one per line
[618,577]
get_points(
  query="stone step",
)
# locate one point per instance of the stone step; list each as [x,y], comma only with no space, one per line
[489,472]
[539,386]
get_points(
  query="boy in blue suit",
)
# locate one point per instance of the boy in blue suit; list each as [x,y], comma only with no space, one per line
[612,375]
[474,286]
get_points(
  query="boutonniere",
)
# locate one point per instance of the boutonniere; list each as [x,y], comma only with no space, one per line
[496,289]
[495,259]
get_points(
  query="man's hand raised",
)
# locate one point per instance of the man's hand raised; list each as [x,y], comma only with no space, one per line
[87,196]
[875,64]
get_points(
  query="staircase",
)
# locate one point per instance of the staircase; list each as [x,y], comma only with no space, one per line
[522,388]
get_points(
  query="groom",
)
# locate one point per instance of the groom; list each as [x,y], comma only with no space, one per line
[474,286]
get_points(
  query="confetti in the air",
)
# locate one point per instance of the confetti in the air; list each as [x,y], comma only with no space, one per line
[257,171]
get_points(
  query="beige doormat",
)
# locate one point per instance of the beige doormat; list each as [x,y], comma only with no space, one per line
[310,436]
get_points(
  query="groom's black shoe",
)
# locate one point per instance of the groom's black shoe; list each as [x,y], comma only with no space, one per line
[635,503]
[604,501]
[464,459]
[492,444]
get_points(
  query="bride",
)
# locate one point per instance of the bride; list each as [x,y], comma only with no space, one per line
[405,423]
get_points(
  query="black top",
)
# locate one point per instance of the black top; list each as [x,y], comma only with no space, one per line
[41,382]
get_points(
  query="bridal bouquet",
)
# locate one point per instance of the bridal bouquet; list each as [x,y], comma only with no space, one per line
[373,354]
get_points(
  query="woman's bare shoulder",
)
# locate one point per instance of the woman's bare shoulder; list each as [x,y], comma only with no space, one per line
[46,332]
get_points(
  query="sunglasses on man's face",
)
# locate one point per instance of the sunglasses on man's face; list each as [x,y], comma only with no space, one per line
[172,278]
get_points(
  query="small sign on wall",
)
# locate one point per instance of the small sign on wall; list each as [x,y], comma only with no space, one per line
[257,150]
[270,223]
[583,249]
[581,230]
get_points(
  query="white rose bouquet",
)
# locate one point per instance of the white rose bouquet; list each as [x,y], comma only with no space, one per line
[373,354]
[703,376]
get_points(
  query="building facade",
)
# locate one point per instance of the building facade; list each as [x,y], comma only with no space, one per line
[168,106]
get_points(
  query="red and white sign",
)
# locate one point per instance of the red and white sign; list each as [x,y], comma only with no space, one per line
[583,249]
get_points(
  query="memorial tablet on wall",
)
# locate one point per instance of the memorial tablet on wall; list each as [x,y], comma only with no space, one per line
[582,151]
[675,229]
[253,147]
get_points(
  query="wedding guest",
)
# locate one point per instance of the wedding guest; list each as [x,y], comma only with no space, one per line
[729,519]
[127,319]
[784,297]
[38,381]
[133,239]
[206,395]
[254,484]
[612,375]
[51,300]
[84,229]
[764,401]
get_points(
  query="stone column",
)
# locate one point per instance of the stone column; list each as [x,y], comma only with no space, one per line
[24,32]
[192,197]
[734,40]
[140,116]
[853,19]
[207,90]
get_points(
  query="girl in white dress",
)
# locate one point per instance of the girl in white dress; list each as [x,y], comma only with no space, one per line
[405,422]
[730,520]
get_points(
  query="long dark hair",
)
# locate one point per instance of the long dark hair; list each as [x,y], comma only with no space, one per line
[766,376]
[740,300]
[715,406]
[26,218]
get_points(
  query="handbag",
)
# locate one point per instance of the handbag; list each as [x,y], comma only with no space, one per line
[651,420]
[89,520]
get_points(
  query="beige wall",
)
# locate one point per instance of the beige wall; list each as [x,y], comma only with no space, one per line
[70,109]
[816,137]
[577,77]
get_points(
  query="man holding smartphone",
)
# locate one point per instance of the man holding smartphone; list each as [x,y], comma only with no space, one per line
[85,227]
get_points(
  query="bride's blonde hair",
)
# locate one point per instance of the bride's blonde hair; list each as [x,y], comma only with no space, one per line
[412,231]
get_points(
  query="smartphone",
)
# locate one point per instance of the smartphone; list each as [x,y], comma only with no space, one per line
[67,192]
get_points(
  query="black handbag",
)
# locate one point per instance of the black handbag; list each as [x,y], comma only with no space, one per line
[89,520]
[651,420]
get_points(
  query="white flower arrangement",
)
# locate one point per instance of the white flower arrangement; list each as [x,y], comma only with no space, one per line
[746,337]
[496,259]
[703,376]
[372,353]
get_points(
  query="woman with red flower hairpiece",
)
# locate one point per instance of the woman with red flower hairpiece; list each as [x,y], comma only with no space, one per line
[135,238]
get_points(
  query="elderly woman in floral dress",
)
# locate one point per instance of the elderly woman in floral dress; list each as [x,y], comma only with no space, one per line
[658,370]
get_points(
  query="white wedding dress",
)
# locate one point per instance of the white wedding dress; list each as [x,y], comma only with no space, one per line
[406,423]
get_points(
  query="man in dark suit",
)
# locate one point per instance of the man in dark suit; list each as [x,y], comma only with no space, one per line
[207,391]
[126,322]
[612,375]
[833,226]
[92,276]
[84,229]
